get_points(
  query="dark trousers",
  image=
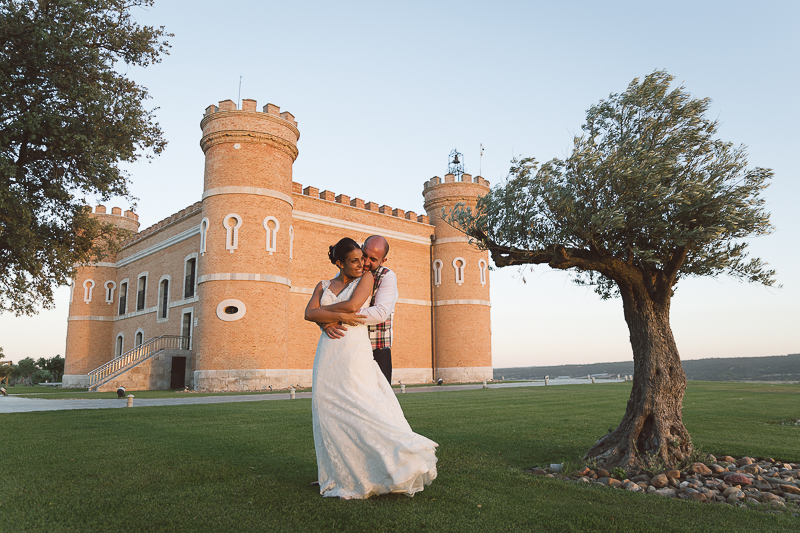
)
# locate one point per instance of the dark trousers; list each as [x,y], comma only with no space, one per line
[383,356]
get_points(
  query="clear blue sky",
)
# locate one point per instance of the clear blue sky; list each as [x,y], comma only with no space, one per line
[383,91]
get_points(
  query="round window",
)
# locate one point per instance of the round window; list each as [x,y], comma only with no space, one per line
[230,310]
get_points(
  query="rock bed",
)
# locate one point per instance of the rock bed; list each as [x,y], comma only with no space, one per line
[765,483]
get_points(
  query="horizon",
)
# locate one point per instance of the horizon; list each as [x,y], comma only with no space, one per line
[382,94]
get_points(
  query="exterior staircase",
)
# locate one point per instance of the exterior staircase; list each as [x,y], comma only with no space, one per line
[131,358]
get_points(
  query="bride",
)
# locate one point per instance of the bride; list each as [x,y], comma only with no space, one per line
[363,442]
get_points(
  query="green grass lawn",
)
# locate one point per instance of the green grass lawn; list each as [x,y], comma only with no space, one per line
[247,466]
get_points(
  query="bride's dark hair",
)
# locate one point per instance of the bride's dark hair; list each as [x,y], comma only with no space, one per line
[339,251]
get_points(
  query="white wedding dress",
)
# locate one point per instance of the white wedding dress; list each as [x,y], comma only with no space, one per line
[363,442]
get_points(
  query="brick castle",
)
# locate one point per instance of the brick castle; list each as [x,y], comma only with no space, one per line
[212,297]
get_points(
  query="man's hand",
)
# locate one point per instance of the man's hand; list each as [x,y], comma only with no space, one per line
[334,331]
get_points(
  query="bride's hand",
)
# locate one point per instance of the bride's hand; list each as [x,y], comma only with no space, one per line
[353,319]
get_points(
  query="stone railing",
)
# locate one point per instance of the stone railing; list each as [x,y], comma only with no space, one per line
[135,356]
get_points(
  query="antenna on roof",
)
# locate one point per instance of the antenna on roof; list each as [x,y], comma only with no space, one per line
[239,100]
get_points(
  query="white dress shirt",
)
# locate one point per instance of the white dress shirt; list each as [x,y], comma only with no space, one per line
[385,300]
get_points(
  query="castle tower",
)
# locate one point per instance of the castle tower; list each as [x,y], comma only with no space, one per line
[241,336]
[462,328]
[93,305]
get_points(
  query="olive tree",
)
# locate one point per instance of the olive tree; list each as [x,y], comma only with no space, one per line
[69,116]
[647,196]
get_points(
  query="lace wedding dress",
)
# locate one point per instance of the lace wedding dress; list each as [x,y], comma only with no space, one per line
[363,442]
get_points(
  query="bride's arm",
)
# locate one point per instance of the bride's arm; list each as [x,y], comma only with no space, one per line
[360,295]
[323,315]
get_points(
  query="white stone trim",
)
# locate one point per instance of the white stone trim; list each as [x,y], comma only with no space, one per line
[185,301]
[231,302]
[92,318]
[272,234]
[437,272]
[462,302]
[301,290]
[139,331]
[160,303]
[465,374]
[232,232]
[445,240]
[71,290]
[100,264]
[203,235]
[239,276]
[88,287]
[251,379]
[483,267]
[110,291]
[362,228]
[233,189]
[409,301]
[163,245]
[411,376]
[459,269]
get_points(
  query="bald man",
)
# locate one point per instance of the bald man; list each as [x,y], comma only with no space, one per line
[378,316]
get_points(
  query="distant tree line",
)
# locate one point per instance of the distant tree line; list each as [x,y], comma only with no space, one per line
[30,372]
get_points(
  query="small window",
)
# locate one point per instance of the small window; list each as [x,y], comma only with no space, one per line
[119,345]
[140,293]
[110,286]
[123,298]
[186,329]
[190,271]
[437,272]
[458,265]
[138,339]
[88,287]
[164,299]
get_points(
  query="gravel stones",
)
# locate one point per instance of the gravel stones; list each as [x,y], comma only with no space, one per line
[743,482]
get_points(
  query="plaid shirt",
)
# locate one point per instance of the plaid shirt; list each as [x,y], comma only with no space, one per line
[380,334]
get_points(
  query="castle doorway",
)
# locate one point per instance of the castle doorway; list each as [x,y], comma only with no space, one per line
[178,379]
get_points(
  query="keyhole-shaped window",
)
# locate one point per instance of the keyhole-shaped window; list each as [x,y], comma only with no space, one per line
[437,272]
[272,226]
[232,223]
[482,266]
[88,287]
[458,264]
[203,235]
[110,288]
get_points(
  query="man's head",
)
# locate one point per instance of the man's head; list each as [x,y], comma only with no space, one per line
[375,251]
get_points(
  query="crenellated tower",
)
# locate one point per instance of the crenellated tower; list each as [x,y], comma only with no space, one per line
[461,303]
[241,331]
[93,305]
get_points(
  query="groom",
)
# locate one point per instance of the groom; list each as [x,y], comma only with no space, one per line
[378,316]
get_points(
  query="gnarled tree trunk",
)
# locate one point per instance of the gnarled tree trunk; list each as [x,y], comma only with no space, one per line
[652,430]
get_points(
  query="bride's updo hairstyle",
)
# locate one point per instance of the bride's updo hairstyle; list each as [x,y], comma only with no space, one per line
[340,250]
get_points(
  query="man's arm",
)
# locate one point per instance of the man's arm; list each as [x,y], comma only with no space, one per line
[385,301]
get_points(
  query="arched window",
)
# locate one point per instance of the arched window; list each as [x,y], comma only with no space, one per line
[120,344]
[272,233]
[138,339]
[482,266]
[437,272]
[110,287]
[141,291]
[123,297]
[88,286]
[458,264]
[203,235]
[189,276]
[163,298]
[232,223]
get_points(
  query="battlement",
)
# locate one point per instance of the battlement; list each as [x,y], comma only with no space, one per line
[163,223]
[251,106]
[358,203]
[451,178]
[101,209]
